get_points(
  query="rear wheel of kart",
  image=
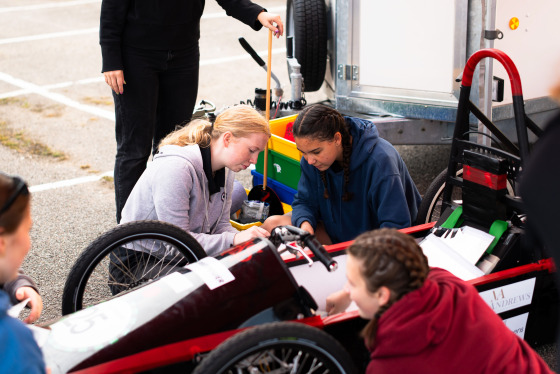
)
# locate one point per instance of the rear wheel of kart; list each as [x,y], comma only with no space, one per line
[282,347]
[430,207]
[306,22]
[127,257]
[432,201]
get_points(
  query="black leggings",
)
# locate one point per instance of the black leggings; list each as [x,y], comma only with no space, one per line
[159,95]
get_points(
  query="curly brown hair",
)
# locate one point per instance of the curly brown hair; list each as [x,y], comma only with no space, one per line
[391,259]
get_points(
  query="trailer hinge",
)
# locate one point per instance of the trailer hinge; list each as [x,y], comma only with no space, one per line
[493,34]
[347,72]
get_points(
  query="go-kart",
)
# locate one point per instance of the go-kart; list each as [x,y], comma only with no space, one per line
[259,308]
[188,313]
[144,296]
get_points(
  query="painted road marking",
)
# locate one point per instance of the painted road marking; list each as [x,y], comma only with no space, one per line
[26,8]
[51,35]
[56,97]
[69,182]
[27,87]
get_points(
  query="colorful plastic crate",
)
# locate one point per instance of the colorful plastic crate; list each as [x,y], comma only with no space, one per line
[285,193]
[277,141]
[281,168]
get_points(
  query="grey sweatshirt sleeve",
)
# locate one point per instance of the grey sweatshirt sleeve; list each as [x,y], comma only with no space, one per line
[22,280]
[179,199]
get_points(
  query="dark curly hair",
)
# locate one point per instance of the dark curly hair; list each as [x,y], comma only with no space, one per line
[391,259]
[322,122]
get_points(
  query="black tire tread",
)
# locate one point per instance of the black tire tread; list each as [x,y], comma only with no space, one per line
[310,34]
[88,259]
[253,336]
[429,196]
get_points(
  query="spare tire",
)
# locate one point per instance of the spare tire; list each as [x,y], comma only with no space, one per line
[306,22]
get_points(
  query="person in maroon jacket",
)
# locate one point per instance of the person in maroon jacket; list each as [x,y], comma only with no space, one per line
[151,61]
[425,320]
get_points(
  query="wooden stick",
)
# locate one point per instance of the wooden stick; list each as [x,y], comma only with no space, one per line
[268,75]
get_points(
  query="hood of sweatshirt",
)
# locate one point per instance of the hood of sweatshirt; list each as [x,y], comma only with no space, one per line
[364,139]
[189,153]
[446,327]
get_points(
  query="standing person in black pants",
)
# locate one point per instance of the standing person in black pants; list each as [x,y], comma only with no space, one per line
[150,47]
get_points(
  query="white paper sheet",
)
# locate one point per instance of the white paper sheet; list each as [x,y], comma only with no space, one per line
[469,242]
[440,255]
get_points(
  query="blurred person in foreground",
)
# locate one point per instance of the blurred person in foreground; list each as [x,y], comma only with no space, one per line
[19,353]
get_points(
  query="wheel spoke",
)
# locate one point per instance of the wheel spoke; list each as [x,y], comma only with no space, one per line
[126,257]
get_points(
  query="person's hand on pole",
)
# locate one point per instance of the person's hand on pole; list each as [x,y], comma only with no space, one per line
[269,19]
[115,80]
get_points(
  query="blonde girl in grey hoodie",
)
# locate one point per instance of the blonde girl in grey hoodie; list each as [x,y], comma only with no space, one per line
[190,181]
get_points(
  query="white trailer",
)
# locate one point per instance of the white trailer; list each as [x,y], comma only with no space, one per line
[397,61]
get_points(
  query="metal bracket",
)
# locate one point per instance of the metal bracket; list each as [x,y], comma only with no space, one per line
[347,72]
[493,34]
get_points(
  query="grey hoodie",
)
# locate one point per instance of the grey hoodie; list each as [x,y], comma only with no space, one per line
[174,189]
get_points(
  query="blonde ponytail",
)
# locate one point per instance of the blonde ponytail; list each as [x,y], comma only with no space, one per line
[240,120]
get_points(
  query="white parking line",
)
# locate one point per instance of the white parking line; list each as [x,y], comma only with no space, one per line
[27,88]
[26,8]
[51,35]
[33,88]
[277,9]
[223,60]
[62,34]
[69,182]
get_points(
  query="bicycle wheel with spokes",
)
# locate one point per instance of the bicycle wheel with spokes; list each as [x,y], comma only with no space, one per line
[128,256]
[280,347]
[432,201]
[430,207]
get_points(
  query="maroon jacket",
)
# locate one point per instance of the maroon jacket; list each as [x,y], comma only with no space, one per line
[446,327]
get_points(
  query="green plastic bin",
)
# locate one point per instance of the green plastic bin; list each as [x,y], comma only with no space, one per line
[281,168]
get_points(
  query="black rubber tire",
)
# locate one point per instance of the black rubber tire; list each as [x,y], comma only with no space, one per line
[290,339]
[429,209]
[306,22]
[89,280]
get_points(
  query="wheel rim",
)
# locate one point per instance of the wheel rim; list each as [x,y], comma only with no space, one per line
[285,355]
[127,264]
[434,211]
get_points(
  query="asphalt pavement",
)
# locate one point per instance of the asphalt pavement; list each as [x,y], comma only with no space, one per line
[57,119]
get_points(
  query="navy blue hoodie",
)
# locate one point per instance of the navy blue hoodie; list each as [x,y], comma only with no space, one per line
[20,352]
[384,193]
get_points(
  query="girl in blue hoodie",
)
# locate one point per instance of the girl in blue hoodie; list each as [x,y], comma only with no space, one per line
[351,180]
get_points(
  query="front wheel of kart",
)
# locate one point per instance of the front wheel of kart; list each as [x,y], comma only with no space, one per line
[282,347]
[126,257]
